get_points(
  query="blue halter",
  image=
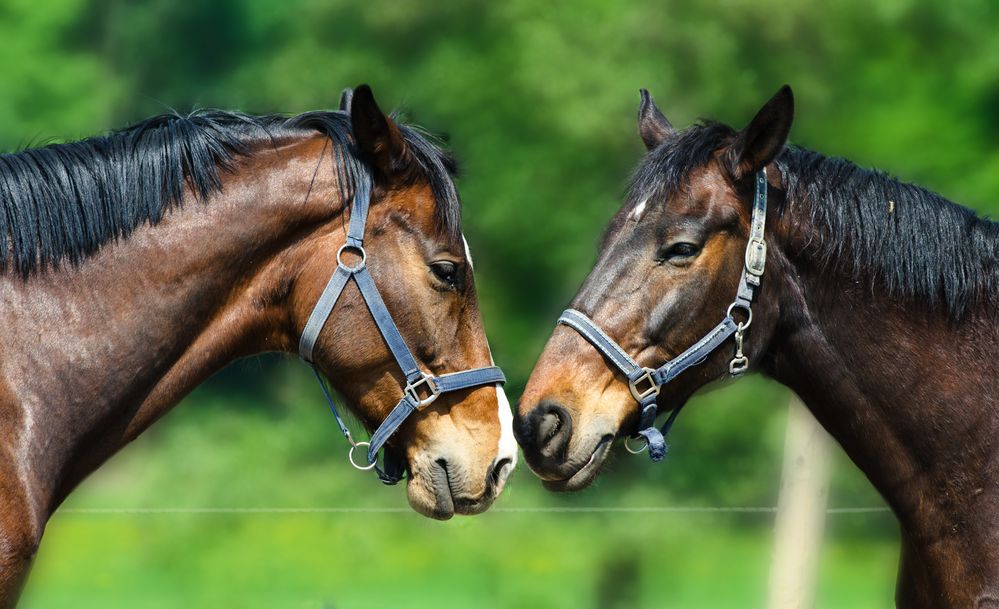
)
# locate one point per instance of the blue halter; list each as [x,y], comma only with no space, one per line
[646,383]
[421,389]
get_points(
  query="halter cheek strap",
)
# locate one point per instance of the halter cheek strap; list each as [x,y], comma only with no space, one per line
[421,389]
[646,383]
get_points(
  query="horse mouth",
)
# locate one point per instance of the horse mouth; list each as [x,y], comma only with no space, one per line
[587,473]
[468,506]
[450,499]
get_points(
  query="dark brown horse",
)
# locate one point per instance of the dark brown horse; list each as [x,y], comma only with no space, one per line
[141,262]
[878,307]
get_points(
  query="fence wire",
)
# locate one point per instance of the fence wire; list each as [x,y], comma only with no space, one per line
[501,510]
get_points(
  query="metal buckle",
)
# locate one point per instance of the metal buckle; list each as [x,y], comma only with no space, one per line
[756,257]
[412,391]
[344,265]
[641,394]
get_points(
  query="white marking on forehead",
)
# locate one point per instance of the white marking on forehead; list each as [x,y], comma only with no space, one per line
[468,253]
[637,213]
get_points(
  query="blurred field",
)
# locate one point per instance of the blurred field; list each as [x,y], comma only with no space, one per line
[213,454]
[366,561]
[539,102]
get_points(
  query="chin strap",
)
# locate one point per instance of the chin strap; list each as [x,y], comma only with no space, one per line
[421,389]
[646,383]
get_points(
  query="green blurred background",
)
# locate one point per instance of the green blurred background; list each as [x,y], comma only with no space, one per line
[539,101]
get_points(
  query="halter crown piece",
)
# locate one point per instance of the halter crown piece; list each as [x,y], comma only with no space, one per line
[421,389]
[646,383]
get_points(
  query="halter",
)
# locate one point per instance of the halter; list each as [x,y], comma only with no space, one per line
[421,389]
[646,383]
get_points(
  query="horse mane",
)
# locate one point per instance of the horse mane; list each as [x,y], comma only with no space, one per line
[909,241]
[62,202]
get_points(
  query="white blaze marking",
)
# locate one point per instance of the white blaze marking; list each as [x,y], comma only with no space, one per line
[507,443]
[636,214]
[468,253]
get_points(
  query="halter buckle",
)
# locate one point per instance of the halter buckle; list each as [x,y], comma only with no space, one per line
[424,383]
[756,257]
[355,248]
[641,394]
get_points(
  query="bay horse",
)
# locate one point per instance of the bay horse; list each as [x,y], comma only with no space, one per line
[141,262]
[874,300]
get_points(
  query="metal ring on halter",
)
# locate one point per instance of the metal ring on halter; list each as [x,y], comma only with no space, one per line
[345,266]
[627,446]
[350,456]
[746,308]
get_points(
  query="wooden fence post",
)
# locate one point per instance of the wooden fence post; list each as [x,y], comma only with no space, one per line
[801,511]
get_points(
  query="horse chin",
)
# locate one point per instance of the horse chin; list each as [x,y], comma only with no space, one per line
[432,498]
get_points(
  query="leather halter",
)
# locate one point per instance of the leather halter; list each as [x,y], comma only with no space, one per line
[421,389]
[646,383]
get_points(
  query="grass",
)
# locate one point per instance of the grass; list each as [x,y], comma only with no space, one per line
[360,560]
[213,453]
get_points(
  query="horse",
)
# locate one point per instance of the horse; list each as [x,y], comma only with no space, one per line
[142,261]
[872,299]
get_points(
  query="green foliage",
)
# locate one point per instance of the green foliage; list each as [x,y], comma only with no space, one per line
[539,100]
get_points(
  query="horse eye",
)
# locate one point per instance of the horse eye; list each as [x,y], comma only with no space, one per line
[678,252]
[683,250]
[446,271]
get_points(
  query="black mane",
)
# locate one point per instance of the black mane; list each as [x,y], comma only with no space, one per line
[64,201]
[911,242]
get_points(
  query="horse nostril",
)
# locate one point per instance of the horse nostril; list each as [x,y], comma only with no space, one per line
[554,428]
[497,474]
[548,426]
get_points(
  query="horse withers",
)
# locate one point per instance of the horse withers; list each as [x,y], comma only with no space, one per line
[874,300]
[141,262]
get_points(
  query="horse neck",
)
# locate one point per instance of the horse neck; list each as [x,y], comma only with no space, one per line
[125,335]
[911,397]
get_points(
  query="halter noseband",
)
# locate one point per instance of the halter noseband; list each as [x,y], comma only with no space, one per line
[646,383]
[421,389]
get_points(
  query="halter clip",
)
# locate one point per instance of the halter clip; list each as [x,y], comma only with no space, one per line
[739,363]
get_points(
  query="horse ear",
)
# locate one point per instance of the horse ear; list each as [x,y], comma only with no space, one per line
[764,137]
[653,126]
[376,135]
[345,97]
